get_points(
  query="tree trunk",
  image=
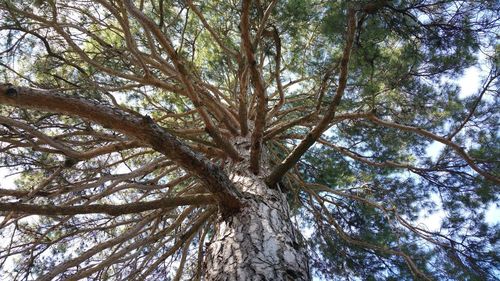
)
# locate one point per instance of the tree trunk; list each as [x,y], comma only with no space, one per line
[260,242]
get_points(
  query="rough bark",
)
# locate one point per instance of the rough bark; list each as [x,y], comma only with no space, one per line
[259,242]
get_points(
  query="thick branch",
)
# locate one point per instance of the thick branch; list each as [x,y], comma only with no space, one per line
[143,129]
[114,210]
[259,88]
[277,58]
[242,98]
[316,132]
[263,22]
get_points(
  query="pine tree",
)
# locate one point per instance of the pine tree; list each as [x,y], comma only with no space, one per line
[247,140]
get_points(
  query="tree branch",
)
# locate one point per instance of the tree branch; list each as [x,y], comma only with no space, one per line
[242,98]
[346,237]
[259,88]
[316,132]
[113,210]
[217,39]
[277,76]
[492,77]
[142,129]
[185,76]
[458,149]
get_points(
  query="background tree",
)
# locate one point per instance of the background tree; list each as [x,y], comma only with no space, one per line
[175,140]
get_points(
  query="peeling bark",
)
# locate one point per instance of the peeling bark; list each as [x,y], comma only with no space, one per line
[259,242]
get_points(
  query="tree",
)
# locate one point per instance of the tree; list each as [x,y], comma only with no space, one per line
[175,140]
